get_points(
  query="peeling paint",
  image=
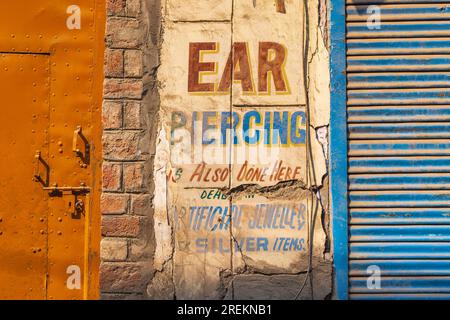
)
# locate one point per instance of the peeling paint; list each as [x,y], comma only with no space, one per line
[187,263]
[162,225]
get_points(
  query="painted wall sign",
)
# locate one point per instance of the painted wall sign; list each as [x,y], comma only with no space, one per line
[256,231]
[271,62]
[258,145]
[252,127]
[232,101]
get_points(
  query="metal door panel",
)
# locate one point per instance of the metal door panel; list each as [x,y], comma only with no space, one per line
[379,114]
[400,181]
[398,80]
[398,46]
[399,250]
[398,164]
[418,284]
[397,176]
[25,91]
[399,233]
[403,198]
[400,296]
[399,29]
[398,62]
[398,96]
[417,147]
[402,267]
[74,100]
[411,130]
[399,216]
[404,11]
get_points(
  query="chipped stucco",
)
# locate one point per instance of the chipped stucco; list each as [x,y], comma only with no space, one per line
[236,272]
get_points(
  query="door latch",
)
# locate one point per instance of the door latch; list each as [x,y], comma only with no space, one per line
[56,189]
[83,156]
[39,161]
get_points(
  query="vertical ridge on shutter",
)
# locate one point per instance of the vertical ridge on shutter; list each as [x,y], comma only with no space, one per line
[398,114]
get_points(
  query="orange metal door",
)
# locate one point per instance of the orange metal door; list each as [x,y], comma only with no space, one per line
[24,93]
[50,148]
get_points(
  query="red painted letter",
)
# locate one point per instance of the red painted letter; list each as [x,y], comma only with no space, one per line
[196,66]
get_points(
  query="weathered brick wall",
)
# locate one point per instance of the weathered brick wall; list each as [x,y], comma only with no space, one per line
[128,117]
[138,249]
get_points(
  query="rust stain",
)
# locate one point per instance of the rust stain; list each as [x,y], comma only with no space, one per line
[281,7]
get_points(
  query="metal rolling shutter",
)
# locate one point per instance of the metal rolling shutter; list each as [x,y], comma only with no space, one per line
[398,111]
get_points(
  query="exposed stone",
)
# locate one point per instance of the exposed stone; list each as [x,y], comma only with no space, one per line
[123,33]
[133,8]
[133,63]
[121,296]
[127,269]
[142,249]
[141,205]
[113,249]
[115,7]
[122,277]
[322,279]
[114,63]
[121,226]
[134,177]
[262,287]
[121,146]
[132,115]
[112,115]
[113,203]
[161,287]
[112,176]
[122,88]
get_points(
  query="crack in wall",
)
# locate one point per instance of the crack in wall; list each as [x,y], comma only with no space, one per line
[289,189]
[283,189]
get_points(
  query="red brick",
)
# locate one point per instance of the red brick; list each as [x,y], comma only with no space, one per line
[123,88]
[112,174]
[113,249]
[132,115]
[123,33]
[112,115]
[115,7]
[133,8]
[133,177]
[120,226]
[112,203]
[114,63]
[141,205]
[133,63]
[121,145]
[122,277]
[141,249]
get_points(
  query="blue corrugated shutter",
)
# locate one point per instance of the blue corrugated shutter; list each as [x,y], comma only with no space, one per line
[398,113]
